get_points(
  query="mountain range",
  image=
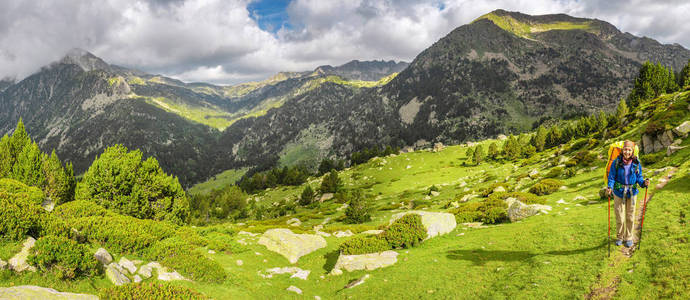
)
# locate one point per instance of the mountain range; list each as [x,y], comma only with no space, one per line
[503,73]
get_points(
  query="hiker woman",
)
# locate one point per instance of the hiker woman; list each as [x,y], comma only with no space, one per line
[625,174]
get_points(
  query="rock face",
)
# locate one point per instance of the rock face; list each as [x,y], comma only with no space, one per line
[436,223]
[518,210]
[370,261]
[37,292]
[18,262]
[292,246]
[103,256]
[651,144]
[114,273]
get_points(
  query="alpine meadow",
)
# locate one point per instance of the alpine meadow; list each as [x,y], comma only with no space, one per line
[518,156]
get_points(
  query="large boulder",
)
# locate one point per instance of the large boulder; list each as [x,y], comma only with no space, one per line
[518,210]
[103,256]
[292,246]
[114,273]
[682,129]
[370,261]
[145,271]
[436,223]
[18,261]
[37,292]
[127,264]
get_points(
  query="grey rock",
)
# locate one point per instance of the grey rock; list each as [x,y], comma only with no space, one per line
[682,129]
[370,261]
[114,274]
[48,204]
[357,282]
[518,210]
[345,233]
[136,279]
[128,264]
[672,149]
[294,222]
[37,292]
[292,246]
[295,289]
[325,197]
[436,223]
[145,271]
[103,256]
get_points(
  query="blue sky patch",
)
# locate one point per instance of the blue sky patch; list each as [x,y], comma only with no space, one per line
[271,15]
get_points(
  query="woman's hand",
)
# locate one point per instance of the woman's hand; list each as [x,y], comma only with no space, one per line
[646,182]
[608,191]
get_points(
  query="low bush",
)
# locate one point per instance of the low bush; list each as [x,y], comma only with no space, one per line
[546,187]
[173,246]
[526,198]
[223,242]
[79,209]
[584,158]
[123,234]
[363,244]
[62,256]
[554,172]
[569,172]
[490,211]
[197,267]
[20,214]
[358,210]
[652,158]
[405,232]
[487,191]
[150,291]
[13,187]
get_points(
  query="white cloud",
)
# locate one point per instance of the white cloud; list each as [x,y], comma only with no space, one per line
[217,41]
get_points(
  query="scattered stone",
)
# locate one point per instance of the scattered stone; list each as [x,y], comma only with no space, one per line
[579,198]
[295,271]
[561,202]
[682,129]
[356,282]
[563,188]
[460,234]
[435,193]
[510,201]
[136,279]
[408,167]
[499,189]
[473,225]
[436,223]
[137,262]
[501,137]
[127,264]
[301,274]
[467,197]
[258,253]
[317,297]
[169,276]
[592,202]
[534,173]
[373,231]
[326,220]
[295,289]
[211,252]
[247,233]
[48,204]
[114,274]
[518,210]
[18,261]
[455,204]
[370,261]
[345,205]
[427,197]
[145,271]
[294,222]
[242,242]
[103,256]
[37,292]
[239,262]
[672,149]
[291,246]
[326,197]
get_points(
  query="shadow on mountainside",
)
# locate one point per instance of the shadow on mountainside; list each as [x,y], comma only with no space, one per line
[480,256]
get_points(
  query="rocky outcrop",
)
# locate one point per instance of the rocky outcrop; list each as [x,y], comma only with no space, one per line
[103,256]
[37,292]
[290,245]
[128,265]
[370,261]
[18,261]
[652,144]
[436,223]
[115,273]
[518,210]
[682,129]
[295,271]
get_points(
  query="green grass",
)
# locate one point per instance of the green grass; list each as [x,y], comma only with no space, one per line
[211,116]
[223,179]
[526,30]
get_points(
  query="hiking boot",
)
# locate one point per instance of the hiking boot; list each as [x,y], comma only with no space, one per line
[619,242]
[628,243]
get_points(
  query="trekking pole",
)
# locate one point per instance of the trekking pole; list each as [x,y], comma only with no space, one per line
[644,210]
[609,238]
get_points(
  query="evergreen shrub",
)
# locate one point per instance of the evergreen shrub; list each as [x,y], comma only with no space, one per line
[149,291]
[363,244]
[408,231]
[62,256]
[546,187]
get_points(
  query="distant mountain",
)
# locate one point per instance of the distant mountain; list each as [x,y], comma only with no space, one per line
[503,73]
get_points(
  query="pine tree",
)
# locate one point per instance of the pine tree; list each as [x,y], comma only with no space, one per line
[307,196]
[29,166]
[5,157]
[20,139]
[540,139]
[554,137]
[479,155]
[621,110]
[470,153]
[493,151]
[331,182]
[684,77]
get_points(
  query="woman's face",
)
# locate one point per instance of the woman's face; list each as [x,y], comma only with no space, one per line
[627,151]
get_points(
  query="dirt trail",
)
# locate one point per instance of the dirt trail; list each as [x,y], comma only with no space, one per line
[605,288]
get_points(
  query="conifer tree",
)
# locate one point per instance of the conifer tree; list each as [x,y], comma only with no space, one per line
[331,182]
[684,77]
[554,136]
[5,157]
[540,139]
[57,181]
[493,151]
[307,196]
[470,153]
[602,121]
[479,155]
[20,138]
[621,109]
[28,167]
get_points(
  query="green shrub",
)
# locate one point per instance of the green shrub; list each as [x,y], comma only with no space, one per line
[405,232]
[569,172]
[19,212]
[554,172]
[546,187]
[494,211]
[65,257]
[358,210]
[584,158]
[32,194]
[123,234]
[652,158]
[432,188]
[307,196]
[50,224]
[468,212]
[526,198]
[363,244]
[487,191]
[149,291]
[79,209]
[331,183]
[197,267]
[490,211]
[173,246]
[191,236]
[118,179]
[223,242]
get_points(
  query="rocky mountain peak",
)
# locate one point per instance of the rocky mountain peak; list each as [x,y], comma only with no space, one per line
[85,60]
[363,70]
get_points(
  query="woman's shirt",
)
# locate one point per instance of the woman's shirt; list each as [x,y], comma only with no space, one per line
[627,172]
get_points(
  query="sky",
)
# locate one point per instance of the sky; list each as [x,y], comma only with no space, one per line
[234,41]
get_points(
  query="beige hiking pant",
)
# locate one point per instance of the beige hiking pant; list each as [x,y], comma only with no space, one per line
[624,208]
